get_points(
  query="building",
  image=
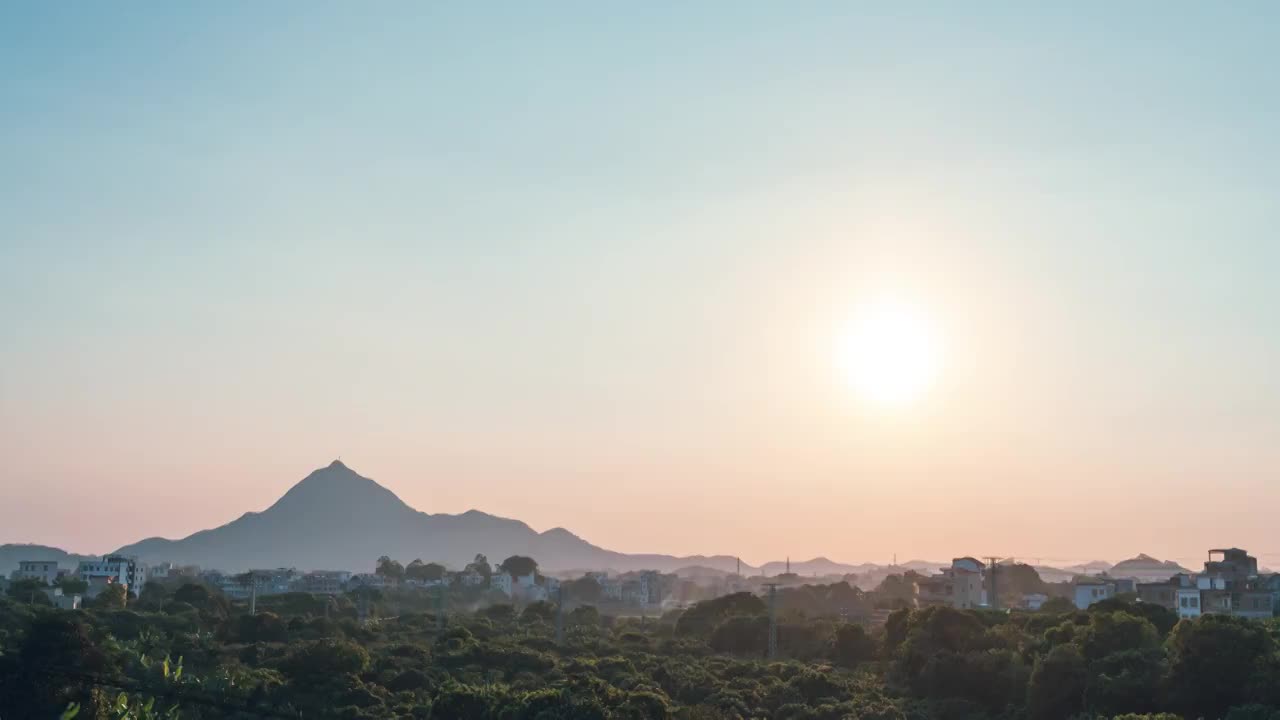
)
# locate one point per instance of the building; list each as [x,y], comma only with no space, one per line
[1034,601]
[1253,603]
[367,580]
[324,582]
[1229,585]
[1233,565]
[125,569]
[1164,594]
[1188,602]
[98,583]
[471,577]
[611,589]
[1089,590]
[61,600]
[959,586]
[45,571]
[502,582]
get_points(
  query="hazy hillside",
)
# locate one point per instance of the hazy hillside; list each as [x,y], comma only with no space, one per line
[334,518]
[818,566]
[12,554]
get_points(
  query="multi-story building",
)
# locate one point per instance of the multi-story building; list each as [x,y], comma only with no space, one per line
[959,586]
[502,582]
[1229,585]
[124,568]
[325,582]
[45,571]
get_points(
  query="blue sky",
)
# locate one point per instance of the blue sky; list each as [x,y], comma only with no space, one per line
[569,262]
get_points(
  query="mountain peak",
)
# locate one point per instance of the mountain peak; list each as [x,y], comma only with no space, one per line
[337,489]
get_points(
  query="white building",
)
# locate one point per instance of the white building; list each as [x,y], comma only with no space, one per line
[124,569]
[43,570]
[959,586]
[501,582]
[611,589]
[1034,601]
[1091,590]
[1188,602]
[324,582]
[471,577]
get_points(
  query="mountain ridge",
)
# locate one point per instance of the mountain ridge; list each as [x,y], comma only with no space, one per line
[335,518]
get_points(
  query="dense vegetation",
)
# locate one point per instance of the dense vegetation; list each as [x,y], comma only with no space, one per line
[304,656]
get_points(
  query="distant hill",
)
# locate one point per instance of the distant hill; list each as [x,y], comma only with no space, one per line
[336,519]
[1090,568]
[1145,567]
[11,555]
[818,566]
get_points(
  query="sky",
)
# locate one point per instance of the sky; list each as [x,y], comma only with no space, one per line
[587,265]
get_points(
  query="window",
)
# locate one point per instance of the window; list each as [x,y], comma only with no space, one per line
[1186,602]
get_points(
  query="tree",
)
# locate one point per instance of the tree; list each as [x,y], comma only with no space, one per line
[852,646]
[389,568]
[201,598]
[519,566]
[316,662]
[55,664]
[1057,606]
[424,572]
[705,616]
[583,590]
[1158,615]
[1213,662]
[897,589]
[1112,632]
[72,585]
[29,590]
[585,616]
[742,635]
[1057,686]
[113,597]
[481,565]
[540,610]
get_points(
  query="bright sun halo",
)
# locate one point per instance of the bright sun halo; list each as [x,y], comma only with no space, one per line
[890,353]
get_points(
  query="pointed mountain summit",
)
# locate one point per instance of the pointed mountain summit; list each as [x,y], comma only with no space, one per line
[337,519]
[339,488]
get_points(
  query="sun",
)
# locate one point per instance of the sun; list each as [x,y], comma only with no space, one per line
[890,354]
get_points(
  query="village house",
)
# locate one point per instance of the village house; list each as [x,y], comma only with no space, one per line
[1089,590]
[959,586]
[45,571]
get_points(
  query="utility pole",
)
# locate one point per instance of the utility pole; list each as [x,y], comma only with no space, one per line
[253,599]
[440,608]
[773,620]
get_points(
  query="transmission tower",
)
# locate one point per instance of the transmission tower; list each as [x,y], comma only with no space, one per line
[773,620]
[995,593]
